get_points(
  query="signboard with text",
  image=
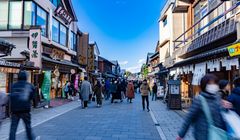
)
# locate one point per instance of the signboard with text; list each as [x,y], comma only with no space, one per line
[35,47]
[63,14]
[234,50]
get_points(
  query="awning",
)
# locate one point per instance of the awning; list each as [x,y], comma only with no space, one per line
[109,75]
[219,52]
[64,62]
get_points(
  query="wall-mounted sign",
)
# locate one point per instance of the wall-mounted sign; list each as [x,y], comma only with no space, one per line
[63,14]
[54,53]
[35,47]
[8,64]
[234,50]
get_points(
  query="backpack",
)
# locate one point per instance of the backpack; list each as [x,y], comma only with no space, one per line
[66,89]
[214,133]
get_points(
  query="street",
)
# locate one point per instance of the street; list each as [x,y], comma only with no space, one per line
[118,121]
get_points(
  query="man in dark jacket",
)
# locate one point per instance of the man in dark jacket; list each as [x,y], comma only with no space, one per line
[234,98]
[154,91]
[21,95]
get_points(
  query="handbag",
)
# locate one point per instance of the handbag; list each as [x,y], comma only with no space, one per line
[214,133]
[233,123]
[93,99]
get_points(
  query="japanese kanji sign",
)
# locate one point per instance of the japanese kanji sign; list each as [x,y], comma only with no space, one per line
[234,50]
[35,47]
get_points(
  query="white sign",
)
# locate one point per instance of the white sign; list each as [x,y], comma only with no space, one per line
[35,47]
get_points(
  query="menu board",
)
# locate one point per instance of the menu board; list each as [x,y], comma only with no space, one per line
[3,82]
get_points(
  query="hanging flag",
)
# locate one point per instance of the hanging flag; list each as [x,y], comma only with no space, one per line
[46,85]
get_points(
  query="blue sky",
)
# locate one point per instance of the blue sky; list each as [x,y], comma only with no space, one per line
[125,30]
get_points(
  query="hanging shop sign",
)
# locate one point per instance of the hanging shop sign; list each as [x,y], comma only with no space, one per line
[35,46]
[46,85]
[63,14]
[234,50]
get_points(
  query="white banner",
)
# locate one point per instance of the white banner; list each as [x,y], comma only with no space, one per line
[35,47]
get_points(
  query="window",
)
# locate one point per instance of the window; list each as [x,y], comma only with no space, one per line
[55,30]
[15,8]
[73,41]
[42,20]
[63,35]
[3,15]
[29,14]
[164,22]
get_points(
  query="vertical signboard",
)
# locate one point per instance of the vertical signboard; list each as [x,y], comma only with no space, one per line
[35,47]
[46,85]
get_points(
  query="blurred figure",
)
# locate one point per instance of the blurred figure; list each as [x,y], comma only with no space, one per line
[21,95]
[3,102]
[234,97]
[154,91]
[98,93]
[107,89]
[86,90]
[119,91]
[144,89]
[224,86]
[113,89]
[130,91]
[196,115]
[67,89]
[123,89]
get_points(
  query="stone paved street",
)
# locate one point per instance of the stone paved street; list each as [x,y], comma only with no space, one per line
[118,121]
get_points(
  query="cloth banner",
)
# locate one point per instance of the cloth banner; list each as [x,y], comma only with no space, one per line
[198,73]
[46,85]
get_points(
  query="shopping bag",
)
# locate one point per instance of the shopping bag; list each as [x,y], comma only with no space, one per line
[93,99]
[233,123]
[214,133]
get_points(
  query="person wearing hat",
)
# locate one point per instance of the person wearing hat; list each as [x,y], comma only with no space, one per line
[234,97]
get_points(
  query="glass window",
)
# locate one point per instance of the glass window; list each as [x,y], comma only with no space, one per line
[42,20]
[29,14]
[63,35]
[55,30]
[3,15]
[55,2]
[15,8]
[73,42]
[165,22]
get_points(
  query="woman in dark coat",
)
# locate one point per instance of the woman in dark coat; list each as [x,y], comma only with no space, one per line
[196,116]
[98,93]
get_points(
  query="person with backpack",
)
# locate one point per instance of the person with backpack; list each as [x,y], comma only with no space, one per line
[205,113]
[22,93]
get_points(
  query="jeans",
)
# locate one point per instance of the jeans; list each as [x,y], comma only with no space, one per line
[99,101]
[26,117]
[154,96]
[143,102]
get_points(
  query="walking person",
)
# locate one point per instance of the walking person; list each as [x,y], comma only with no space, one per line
[123,89]
[86,90]
[3,102]
[113,89]
[144,89]
[107,89]
[98,93]
[154,91]
[234,97]
[208,101]
[130,91]
[67,89]
[22,93]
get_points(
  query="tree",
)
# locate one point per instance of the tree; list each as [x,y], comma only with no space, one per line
[127,74]
[144,70]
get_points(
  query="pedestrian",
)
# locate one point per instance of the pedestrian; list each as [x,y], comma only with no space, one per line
[234,97]
[107,89]
[113,89]
[196,115]
[22,93]
[224,86]
[130,91]
[123,88]
[3,102]
[86,90]
[119,91]
[144,89]
[98,93]
[67,89]
[154,91]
